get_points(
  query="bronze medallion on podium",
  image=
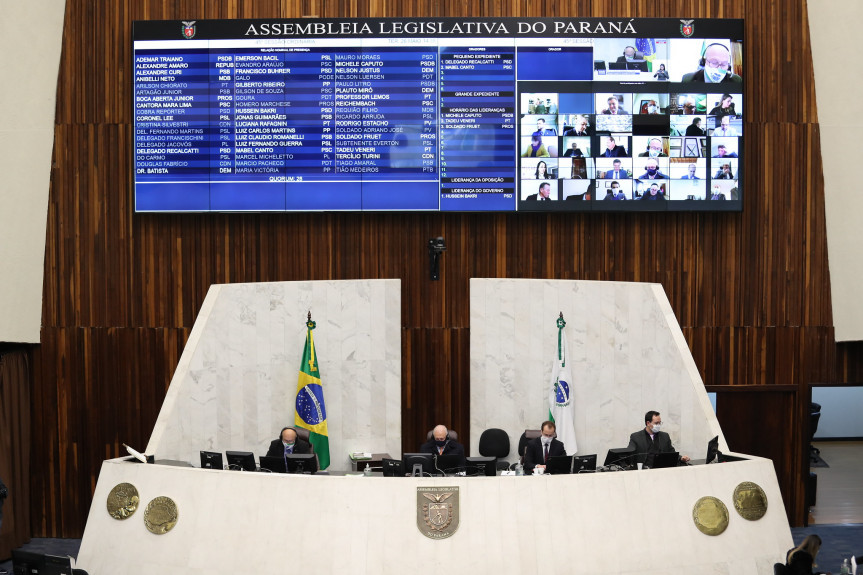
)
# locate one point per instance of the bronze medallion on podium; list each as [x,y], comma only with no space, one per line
[161,515]
[123,501]
[437,511]
[750,501]
[710,515]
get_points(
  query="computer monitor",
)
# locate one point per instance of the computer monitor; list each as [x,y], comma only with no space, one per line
[584,463]
[56,565]
[623,457]
[274,464]
[448,464]
[712,450]
[27,562]
[637,65]
[668,459]
[423,460]
[476,466]
[392,467]
[559,464]
[301,462]
[211,460]
[241,460]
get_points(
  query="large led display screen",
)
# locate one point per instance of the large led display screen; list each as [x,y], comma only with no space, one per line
[438,115]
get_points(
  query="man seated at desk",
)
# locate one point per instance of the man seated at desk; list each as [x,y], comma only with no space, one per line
[649,441]
[538,450]
[288,443]
[440,444]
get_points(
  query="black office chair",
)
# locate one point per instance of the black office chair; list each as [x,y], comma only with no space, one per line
[494,442]
[522,444]
[450,434]
[814,416]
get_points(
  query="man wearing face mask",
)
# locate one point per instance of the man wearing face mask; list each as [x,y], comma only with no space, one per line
[538,450]
[651,440]
[654,149]
[288,443]
[651,171]
[714,67]
[440,444]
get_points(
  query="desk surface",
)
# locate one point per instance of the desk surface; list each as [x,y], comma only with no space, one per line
[353,524]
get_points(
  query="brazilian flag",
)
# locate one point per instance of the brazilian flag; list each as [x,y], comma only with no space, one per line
[311,412]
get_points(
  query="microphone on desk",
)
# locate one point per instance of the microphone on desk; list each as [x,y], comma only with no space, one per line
[137,455]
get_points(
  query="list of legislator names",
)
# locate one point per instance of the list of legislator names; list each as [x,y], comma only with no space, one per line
[350,121]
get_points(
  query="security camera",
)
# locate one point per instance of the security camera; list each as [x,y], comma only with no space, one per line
[437,244]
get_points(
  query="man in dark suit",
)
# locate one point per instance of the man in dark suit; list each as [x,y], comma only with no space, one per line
[617,172]
[612,150]
[538,450]
[543,195]
[629,54]
[441,444]
[288,443]
[581,127]
[649,441]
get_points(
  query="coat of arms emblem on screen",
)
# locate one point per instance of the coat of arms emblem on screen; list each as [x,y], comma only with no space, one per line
[189,30]
[687,28]
[437,511]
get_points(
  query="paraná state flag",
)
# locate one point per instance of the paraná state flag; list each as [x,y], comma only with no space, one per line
[561,409]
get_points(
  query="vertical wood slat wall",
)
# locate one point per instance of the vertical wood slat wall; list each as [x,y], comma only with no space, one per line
[122,291]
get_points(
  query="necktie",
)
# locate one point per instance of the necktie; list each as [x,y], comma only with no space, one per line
[616,176]
[546,452]
[289,449]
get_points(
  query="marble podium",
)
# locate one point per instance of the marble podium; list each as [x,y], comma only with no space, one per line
[628,356]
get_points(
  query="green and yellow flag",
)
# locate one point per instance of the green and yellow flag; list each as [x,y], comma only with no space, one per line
[311,411]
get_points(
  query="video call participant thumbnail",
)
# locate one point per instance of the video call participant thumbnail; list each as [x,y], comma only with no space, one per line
[612,149]
[581,127]
[614,192]
[651,171]
[654,192]
[543,130]
[714,67]
[654,149]
[614,107]
[723,151]
[543,195]
[690,175]
[725,128]
[725,172]
[695,129]
[536,148]
[617,171]
[725,107]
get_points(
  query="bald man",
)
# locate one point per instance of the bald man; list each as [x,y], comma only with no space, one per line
[288,443]
[440,444]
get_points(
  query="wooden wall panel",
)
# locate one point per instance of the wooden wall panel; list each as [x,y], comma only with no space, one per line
[122,291]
